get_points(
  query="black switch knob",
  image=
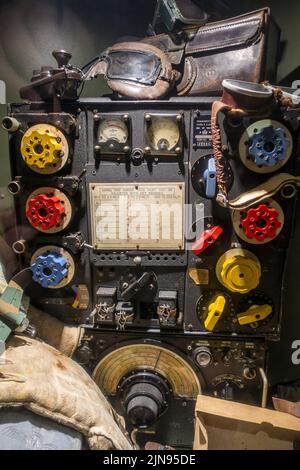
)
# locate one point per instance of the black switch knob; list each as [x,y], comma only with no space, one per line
[62,57]
[145,397]
[202,356]
[144,403]
[227,392]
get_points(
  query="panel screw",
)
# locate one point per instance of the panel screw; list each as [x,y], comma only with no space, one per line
[225,148]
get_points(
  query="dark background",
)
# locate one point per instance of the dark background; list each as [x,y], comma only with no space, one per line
[31,29]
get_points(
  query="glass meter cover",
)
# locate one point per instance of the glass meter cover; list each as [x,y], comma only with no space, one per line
[163,134]
[113,134]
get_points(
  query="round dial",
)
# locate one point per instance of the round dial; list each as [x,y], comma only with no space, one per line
[112,129]
[198,172]
[163,133]
[148,358]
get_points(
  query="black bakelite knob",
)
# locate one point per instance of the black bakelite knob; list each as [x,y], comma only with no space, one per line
[62,57]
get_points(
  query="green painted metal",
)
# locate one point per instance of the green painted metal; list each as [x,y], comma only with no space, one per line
[11,314]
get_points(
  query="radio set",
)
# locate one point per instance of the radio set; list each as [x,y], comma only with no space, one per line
[162,228]
[108,195]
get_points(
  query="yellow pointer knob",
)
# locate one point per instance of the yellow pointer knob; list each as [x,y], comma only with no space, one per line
[254,314]
[239,271]
[215,311]
[41,147]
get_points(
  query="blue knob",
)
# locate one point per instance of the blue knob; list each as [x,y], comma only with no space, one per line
[49,269]
[269,146]
[210,178]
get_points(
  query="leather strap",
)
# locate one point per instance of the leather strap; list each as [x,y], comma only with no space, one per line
[217,108]
[236,103]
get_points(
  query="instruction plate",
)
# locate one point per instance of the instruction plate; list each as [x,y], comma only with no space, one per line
[144,216]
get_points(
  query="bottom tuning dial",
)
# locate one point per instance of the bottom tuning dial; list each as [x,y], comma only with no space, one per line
[145,396]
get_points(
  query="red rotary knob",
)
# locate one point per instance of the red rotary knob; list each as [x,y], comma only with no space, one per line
[45,212]
[261,223]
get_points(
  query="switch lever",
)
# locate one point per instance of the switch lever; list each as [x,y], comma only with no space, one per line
[136,286]
[208,238]
[210,178]
[255,314]
[215,311]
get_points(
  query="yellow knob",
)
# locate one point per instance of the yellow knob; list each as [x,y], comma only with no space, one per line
[255,314]
[215,311]
[239,271]
[40,148]
[44,148]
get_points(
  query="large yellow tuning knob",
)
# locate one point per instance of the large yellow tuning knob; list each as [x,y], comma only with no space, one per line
[44,148]
[255,313]
[215,311]
[239,271]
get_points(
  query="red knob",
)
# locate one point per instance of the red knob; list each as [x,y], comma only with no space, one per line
[261,223]
[45,212]
[208,238]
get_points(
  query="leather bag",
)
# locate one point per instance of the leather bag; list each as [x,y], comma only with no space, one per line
[245,48]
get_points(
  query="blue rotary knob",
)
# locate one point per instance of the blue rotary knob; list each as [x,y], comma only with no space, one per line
[269,147]
[49,269]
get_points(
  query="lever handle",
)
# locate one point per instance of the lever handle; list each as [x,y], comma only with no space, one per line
[136,286]
[210,178]
[208,238]
[215,312]
[255,314]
